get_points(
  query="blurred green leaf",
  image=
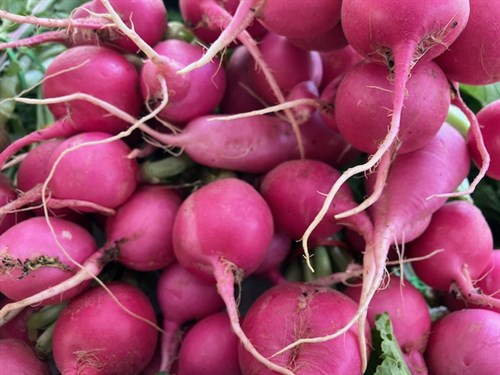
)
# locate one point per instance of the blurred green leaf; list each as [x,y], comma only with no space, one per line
[483,94]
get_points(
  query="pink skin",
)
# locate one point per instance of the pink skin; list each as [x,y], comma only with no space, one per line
[17,357]
[473,57]
[337,62]
[467,253]
[489,121]
[465,342]
[278,251]
[102,67]
[106,163]
[149,19]
[210,347]
[303,90]
[192,95]
[237,99]
[409,315]
[290,311]
[276,49]
[363,102]
[412,179]
[142,228]
[17,327]
[182,296]
[95,335]
[333,39]
[32,239]
[222,233]
[293,209]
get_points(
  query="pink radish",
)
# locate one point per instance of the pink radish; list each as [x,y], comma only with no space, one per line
[95,334]
[183,297]
[210,347]
[474,57]
[7,194]
[17,357]
[465,342]
[291,311]
[337,62]
[466,256]
[32,260]
[142,228]
[363,102]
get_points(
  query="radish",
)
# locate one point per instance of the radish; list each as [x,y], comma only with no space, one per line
[88,26]
[89,158]
[466,257]
[74,71]
[465,342]
[337,62]
[469,61]
[279,249]
[363,101]
[142,228]
[412,179]
[17,326]
[35,256]
[191,95]
[17,357]
[95,334]
[183,297]
[489,121]
[210,347]
[7,194]
[332,39]
[293,209]
[222,232]
[409,314]
[291,311]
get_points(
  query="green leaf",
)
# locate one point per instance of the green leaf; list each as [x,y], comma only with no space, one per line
[483,94]
[386,358]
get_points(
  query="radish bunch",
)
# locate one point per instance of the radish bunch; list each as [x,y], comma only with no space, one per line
[251,189]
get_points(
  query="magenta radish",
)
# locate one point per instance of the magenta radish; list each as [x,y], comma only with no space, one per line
[468,61]
[95,334]
[7,194]
[465,342]
[183,297]
[337,62]
[222,232]
[142,228]
[210,347]
[279,249]
[363,106]
[32,260]
[330,40]
[294,208]
[88,26]
[275,49]
[291,311]
[194,94]
[489,121]
[17,357]
[409,314]
[466,256]
[17,327]
[74,71]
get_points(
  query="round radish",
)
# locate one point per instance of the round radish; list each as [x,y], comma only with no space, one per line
[17,357]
